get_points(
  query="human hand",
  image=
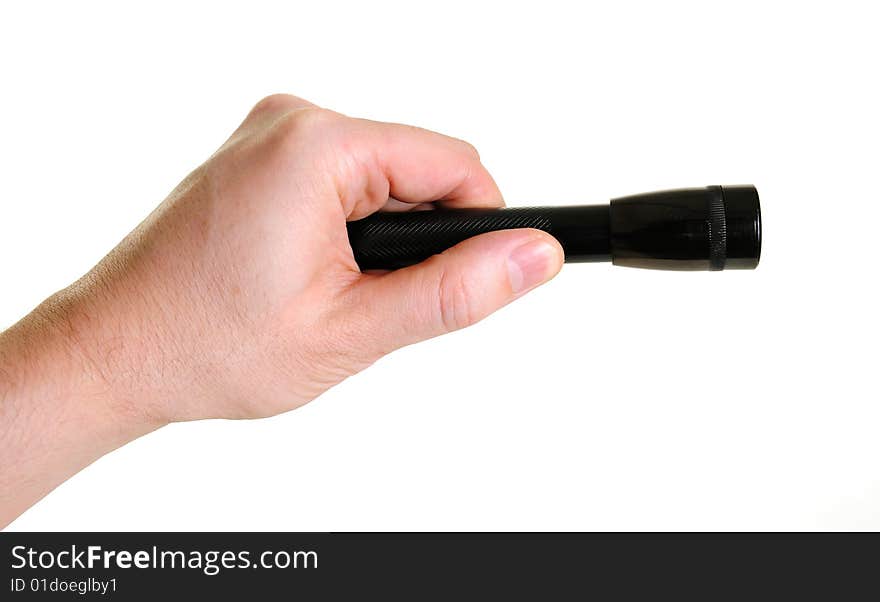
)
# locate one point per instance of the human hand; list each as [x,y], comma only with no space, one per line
[239,296]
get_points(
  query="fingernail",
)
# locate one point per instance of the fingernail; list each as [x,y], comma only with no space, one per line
[531,264]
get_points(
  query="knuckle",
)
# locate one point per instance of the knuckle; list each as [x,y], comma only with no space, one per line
[470,149]
[305,124]
[455,300]
[274,103]
[308,119]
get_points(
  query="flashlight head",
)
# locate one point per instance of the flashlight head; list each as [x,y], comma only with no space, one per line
[712,228]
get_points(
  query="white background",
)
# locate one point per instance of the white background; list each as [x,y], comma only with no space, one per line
[610,399]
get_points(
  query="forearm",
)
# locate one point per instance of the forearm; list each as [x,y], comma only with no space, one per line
[58,413]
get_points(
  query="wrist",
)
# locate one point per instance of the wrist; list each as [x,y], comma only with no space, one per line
[82,351]
[58,410]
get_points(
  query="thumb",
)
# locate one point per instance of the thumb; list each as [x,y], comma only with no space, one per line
[457,288]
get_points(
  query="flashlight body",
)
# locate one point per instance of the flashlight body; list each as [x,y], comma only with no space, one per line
[709,228]
[395,240]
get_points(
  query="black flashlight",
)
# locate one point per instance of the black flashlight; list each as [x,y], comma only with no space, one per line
[711,228]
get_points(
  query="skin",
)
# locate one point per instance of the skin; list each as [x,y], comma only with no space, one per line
[238,297]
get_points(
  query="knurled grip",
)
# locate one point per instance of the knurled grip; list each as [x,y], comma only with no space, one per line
[717,229]
[394,240]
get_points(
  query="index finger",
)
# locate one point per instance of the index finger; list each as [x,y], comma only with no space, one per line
[411,165]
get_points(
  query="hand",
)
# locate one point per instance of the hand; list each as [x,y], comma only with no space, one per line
[239,297]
